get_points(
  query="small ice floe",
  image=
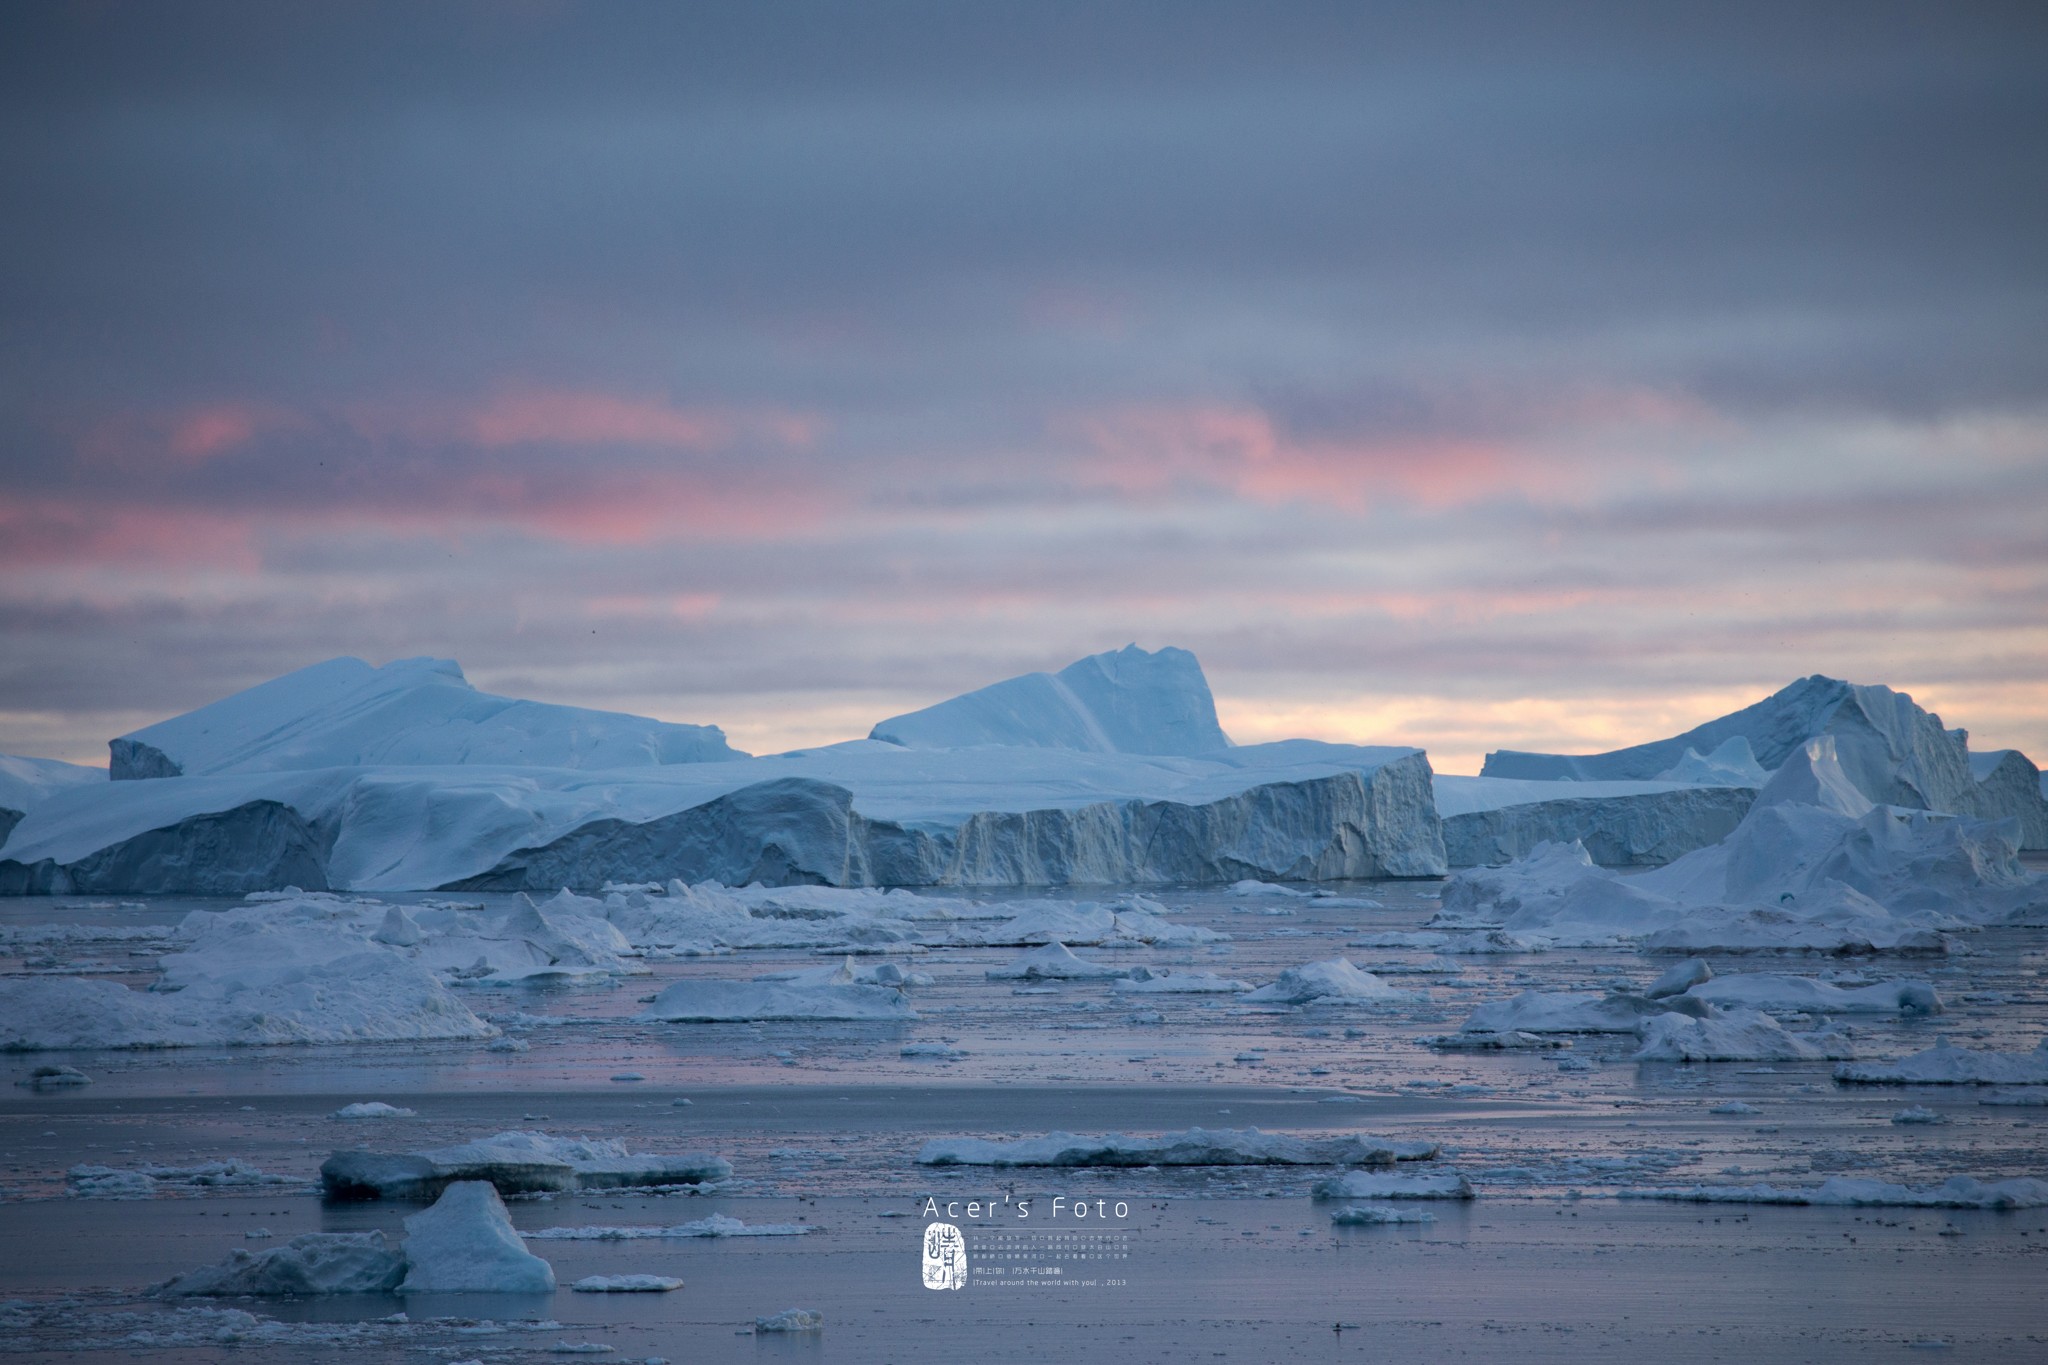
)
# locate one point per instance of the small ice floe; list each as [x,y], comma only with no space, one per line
[717,1225]
[1919,1114]
[1377,1215]
[1389,1185]
[1055,962]
[146,1182]
[626,1284]
[1678,980]
[1734,1036]
[1735,1107]
[792,1320]
[1573,1012]
[822,993]
[581,1348]
[1145,981]
[1962,1192]
[316,1263]
[1332,982]
[372,1109]
[1195,1147]
[939,1051]
[628,1078]
[518,1162]
[1945,1064]
[55,1078]
[2031,1099]
[465,1244]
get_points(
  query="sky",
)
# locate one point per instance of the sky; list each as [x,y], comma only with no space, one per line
[1456,374]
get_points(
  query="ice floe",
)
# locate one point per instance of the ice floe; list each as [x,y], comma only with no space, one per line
[792,1320]
[1377,1215]
[90,1181]
[1807,995]
[1194,1147]
[1946,1064]
[1332,982]
[626,1284]
[717,1225]
[1735,1035]
[1392,1185]
[1145,981]
[832,996]
[1055,962]
[373,1109]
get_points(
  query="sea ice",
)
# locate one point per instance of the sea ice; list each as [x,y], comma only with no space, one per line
[1806,995]
[465,1244]
[626,1284]
[1144,981]
[1377,1215]
[1385,1185]
[1055,962]
[1735,1035]
[792,1320]
[712,1000]
[1195,1147]
[373,1109]
[519,1162]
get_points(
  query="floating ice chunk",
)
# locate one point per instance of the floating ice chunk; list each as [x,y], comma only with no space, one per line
[1195,1147]
[1257,888]
[1572,1012]
[1962,1192]
[1680,979]
[943,1051]
[792,1320]
[1510,1040]
[1944,1064]
[1377,1215]
[56,1078]
[1144,981]
[465,1244]
[626,1284]
[1919,1114]
[1085,923]
[398,929]
[711,1000]
[1734,1036]
[316,1263]
[373,1109]
[1385,1185]
[717,1225]
[1736,1107]
[1055,962]
[519,1162]
[1806,995]
[1332,982]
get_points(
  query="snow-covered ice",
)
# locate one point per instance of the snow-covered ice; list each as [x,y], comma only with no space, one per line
[1947,1064]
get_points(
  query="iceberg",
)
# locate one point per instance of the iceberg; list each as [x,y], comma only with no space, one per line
[1803,994]
[316,1263]
[465,1244]
[26,783]
[1144,981]
[1572,1012]
[1127,701]
[1735,1035]
[346,714]
[1195,1147]
[2009,786]
[518,1162]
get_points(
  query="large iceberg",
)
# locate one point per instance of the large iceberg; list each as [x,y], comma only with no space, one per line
[1127,701]
[344,714]
[863,813]
[2008,784]
[1890,749]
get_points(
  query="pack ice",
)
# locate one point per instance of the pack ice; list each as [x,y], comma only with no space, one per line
[343,776]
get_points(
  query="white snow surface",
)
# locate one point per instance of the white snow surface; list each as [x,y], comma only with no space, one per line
[1126,701]
[414,712]
[465,1243]
[1194,1147]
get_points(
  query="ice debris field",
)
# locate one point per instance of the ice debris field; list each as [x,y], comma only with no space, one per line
[368,1011]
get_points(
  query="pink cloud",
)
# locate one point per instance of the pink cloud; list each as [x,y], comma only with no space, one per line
[582,417]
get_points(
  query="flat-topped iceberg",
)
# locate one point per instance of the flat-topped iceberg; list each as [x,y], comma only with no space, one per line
[517,1162]
[1195,1147]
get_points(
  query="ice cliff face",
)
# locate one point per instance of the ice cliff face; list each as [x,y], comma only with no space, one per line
[1639,828]
[344,713]
[2008,784]
[1127,701]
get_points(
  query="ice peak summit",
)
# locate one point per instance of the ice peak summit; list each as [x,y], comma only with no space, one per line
[1128,701]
